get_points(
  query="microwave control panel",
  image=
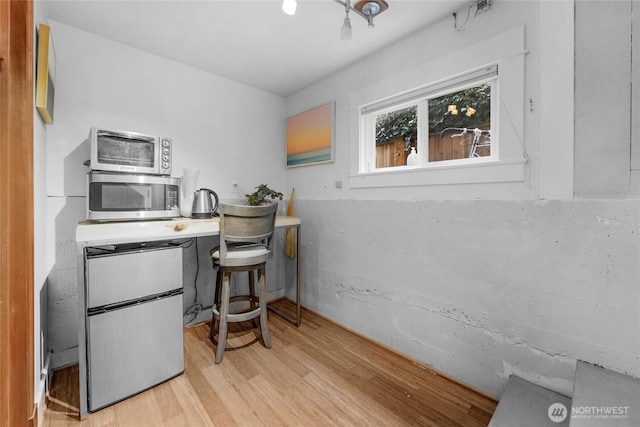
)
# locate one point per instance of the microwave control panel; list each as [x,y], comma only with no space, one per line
[171,197]
[165,157]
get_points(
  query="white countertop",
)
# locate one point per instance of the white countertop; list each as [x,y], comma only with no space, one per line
[105,233]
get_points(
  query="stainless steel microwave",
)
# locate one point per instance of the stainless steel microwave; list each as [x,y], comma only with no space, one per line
[120,197]
[129,152]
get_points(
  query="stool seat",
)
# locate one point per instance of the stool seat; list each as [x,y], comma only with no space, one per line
[242,255]
[246,234]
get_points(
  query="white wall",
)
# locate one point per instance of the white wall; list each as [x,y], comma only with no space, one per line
[230,132]
[41,267]
[483,281]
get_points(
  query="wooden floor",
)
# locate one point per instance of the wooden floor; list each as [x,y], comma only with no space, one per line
[316,375]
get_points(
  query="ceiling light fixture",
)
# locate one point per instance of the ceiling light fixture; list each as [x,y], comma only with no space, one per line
[289,6]
[368,9]
[345,31]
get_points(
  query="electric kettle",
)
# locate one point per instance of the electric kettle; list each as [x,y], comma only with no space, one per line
[203,206]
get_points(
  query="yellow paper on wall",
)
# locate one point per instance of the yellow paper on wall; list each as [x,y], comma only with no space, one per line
[289,247]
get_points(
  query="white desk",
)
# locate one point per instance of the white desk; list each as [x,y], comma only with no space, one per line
[106,233]
[112,233]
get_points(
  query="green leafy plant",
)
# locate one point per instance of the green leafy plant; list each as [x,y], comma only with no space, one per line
[403,123]
[478,97]
[397,124]
[261,195]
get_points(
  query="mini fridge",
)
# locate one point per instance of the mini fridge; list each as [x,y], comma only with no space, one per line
[134,319]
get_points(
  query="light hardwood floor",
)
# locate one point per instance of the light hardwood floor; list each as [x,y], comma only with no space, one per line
[316,375]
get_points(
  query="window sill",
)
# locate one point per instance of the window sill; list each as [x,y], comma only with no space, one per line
[477,173]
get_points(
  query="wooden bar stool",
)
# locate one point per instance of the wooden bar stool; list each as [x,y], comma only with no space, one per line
[246,234]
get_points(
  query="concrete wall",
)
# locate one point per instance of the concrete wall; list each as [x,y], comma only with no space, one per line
[481,289]
[226,130]
[485,280]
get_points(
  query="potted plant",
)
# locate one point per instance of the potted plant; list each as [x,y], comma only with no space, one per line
[262,195]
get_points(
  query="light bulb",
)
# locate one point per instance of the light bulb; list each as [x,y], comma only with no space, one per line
[345,31]
[289,7]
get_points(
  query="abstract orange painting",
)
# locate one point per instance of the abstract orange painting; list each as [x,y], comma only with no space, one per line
[310,136]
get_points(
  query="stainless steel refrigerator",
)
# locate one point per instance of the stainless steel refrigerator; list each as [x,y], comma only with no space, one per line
[134,319]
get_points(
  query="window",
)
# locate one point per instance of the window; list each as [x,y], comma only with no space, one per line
[396,132]
[447,123]
[493,68]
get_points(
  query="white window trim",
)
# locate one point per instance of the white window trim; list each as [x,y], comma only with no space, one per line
[505,50]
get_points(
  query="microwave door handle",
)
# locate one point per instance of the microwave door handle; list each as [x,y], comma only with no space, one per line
[129,135]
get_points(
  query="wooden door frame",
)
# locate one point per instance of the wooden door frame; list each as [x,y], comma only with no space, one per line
[17,397]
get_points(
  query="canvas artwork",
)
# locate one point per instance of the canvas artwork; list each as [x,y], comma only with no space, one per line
[310,136]
[45,74]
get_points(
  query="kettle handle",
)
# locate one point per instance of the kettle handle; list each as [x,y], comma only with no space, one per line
[215,196]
